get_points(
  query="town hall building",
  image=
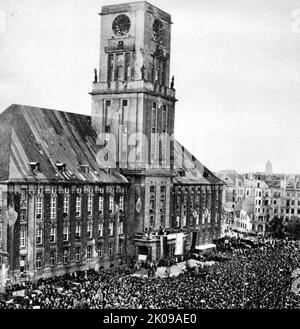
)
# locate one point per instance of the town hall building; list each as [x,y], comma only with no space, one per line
[79,191]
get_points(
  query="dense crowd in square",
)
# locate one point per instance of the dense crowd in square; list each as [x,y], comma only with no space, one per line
[252,278]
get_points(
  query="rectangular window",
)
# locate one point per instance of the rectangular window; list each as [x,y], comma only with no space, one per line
[164,70]
[66,256]
[89,252]
[100,229]
[101,204]
[151,221]
[120,67]
[39,236]
[66,205]
[106,113]
[110,67]
[66,233]
[100,252]
[52,258]
[78,231]
[90,205]
[156,72]
[1,232]
[121,247]
[111,204]
[127,74]
[154,137]
[22,236]
[1,198]
[39,207]
[23,197]
[111,228]
[162,220]
[121,228]
[38,260]
[164,119]
[53,207]
[23,215]
[78,206]
[89,230]
[110,248]
[124,111]
[153,118]
[152,205]
[52,234]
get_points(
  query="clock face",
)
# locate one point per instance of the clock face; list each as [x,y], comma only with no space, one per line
[158,32]
[121,25]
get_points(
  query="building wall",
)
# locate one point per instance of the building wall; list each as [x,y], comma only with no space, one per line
[22,213]
[197,208]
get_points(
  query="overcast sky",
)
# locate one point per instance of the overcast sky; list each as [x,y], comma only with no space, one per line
[236,65]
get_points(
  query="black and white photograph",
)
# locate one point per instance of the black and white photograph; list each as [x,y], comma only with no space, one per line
[149,157]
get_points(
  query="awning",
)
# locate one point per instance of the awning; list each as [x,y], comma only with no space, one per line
[205,246]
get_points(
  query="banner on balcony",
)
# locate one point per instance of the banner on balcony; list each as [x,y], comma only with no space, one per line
[179,244]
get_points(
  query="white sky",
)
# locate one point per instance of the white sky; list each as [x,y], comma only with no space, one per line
[236,65]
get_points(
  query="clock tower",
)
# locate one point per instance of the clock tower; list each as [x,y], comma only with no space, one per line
[133,108]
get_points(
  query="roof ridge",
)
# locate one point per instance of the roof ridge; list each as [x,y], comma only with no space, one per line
[28,107]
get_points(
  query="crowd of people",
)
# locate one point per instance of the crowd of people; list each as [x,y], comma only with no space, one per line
[251,278]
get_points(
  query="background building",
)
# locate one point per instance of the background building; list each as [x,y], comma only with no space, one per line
[265,197]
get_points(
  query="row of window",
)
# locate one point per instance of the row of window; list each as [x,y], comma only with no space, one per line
[78,205]
[91,253]
[53,190]
[39,233]
[119,68]
[205,218]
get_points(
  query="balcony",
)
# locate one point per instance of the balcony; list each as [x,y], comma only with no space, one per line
[131,87]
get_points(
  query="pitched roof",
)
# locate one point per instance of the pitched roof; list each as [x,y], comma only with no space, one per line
[194,172]
[32,134]
[50,137]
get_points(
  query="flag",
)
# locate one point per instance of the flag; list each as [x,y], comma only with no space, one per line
[12,216]
[30,253]
[179,244]
[138,205]
[95,251]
